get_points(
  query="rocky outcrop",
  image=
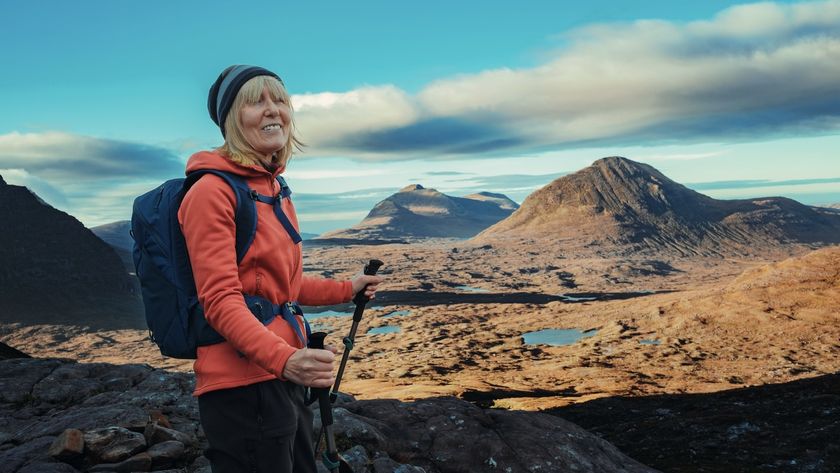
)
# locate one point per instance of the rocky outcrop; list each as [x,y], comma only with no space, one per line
[62,416]
[7,352]
[417,212]
[50,264]
[617,202]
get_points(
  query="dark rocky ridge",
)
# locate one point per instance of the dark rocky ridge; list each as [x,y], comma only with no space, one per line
[417,212]
[52,268]
[625,203]
[153,410]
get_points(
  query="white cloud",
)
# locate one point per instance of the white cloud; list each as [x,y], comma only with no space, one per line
[762,69]
[324,118]
[93,179]
[63,157]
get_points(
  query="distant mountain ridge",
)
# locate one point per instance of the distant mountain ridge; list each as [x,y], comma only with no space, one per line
[116,234]
[50,264]
[622,202]
[417,212]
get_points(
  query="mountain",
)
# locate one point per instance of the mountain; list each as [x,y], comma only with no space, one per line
[417,212]
[52,268]
[115,234]
[616,201]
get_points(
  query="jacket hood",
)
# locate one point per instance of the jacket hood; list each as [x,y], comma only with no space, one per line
[214,160]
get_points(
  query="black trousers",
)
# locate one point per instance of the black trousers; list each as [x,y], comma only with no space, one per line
[261,428]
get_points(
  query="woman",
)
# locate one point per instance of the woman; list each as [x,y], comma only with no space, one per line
[250,388]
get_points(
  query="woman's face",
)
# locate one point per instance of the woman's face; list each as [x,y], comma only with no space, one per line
[265,124]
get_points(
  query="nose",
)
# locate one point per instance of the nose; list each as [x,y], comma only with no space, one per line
[272,109]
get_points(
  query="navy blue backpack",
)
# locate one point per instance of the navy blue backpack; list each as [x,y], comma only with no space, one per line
[174,316]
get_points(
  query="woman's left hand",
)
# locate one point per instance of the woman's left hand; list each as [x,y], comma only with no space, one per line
[368,283]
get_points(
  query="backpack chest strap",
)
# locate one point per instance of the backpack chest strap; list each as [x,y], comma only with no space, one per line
[276,202]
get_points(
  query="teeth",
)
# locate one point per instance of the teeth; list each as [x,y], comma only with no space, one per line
[272,127]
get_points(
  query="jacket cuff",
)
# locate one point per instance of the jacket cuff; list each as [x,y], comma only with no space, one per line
[280,365]
[348,291]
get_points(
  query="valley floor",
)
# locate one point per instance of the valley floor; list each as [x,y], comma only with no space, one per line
[655,325]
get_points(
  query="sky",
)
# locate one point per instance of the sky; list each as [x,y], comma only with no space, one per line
[104,100]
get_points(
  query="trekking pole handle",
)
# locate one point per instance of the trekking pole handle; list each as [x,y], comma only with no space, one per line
[370,270]
[316,341]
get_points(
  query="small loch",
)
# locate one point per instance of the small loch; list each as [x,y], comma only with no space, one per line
[327,313]
[471,289]
[556,337]
[383,330]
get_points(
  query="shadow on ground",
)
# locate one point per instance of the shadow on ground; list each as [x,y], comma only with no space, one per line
[789,427]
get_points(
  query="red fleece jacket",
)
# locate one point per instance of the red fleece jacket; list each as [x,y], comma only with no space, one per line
[272,268]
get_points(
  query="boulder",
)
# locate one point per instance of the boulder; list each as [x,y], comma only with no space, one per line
[68,446]
[113,444]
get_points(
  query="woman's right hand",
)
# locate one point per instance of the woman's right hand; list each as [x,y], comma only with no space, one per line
[310,367]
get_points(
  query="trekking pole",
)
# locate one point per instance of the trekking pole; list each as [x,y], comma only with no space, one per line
[331,459]
[360,300]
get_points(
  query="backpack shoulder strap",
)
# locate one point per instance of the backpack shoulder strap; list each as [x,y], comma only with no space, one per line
[245,211]
[285,191]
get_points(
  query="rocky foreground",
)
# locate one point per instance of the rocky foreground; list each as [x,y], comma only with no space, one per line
[61,416]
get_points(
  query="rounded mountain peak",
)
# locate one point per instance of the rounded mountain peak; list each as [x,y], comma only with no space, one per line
[412,187]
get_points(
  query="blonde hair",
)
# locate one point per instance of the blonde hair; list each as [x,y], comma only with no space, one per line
[236,147]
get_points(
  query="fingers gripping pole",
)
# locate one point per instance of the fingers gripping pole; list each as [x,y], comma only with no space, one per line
[330,458]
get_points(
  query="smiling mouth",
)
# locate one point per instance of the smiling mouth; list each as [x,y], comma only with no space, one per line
[272,127]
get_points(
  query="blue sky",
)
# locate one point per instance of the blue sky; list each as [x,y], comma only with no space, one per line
[102,99]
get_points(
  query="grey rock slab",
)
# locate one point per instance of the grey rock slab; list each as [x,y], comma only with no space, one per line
[139,462]
[74,382]
[83,418]
[20,455]
[356,428]
[165,454]
[155,434]
[357,458]
[384,464]
[18,377]
[42,467]
[113,444]
[451,435]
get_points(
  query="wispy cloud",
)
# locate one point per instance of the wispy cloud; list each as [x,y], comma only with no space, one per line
[510,182]
[752,71]
[756,183]
[93,179]
[59,156]
[448,173]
